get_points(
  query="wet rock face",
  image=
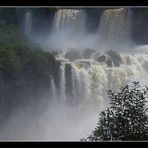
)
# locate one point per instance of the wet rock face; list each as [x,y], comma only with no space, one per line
[111,58]
[96,55]
[102,58]
[87,53]
[115,58]
[55,53]
[73,54]
[106,59]
[68,77]
[109,62]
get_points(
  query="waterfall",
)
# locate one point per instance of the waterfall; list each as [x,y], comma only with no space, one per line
[53,90]
[91,79]
[69,19]
[115,26]
[62,83]
[81,81]
[87,79]
[28,23]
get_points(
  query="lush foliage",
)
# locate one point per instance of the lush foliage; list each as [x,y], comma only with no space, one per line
[25,70]
[127,117]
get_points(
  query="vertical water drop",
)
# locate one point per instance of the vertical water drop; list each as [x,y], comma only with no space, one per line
[28,24]
[115,26]
[62,83]
[53,90]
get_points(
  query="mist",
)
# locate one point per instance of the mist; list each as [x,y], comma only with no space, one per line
[66,39]
[71,110]
[58,122]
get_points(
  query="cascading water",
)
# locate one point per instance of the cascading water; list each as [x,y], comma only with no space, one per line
[91,77]
[53,90]
[68,29]
[69,19]
[28,24]
[115,27]
[62,83]
[82,78]
[85,78]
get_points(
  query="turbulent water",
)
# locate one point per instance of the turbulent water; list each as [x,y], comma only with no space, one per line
[90,79]
[84,79]
[85,75]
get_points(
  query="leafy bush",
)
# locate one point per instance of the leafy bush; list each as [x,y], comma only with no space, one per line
[127,117]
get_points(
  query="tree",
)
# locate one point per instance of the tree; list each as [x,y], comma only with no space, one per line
[25,71]
[126,118]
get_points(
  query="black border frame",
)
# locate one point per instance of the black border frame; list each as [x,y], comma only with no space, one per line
[70,3]
[135,3]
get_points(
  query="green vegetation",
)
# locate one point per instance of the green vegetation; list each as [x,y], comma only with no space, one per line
[126,118]
[25,70]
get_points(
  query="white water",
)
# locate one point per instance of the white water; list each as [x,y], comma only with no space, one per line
[62,83]
[69,19]
[90,81]
[115,27]
[53,90]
